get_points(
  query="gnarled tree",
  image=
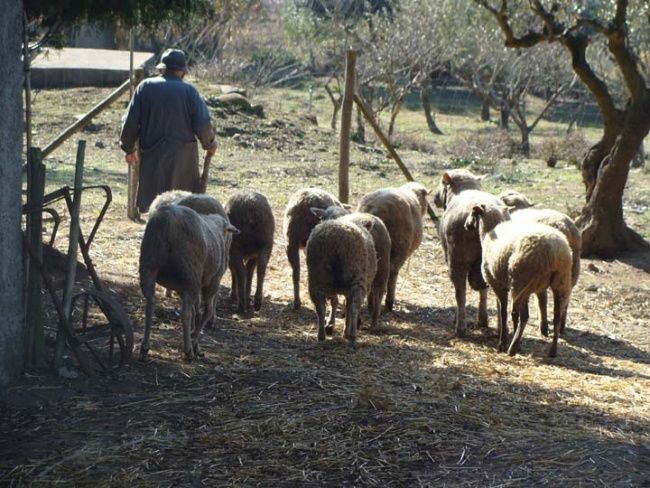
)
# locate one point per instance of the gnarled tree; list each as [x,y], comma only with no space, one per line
[606,165]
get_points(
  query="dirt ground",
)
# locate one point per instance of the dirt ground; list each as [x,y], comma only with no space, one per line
[269,405]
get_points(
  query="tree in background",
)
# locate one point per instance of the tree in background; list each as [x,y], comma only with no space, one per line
[577,27]
[502,78]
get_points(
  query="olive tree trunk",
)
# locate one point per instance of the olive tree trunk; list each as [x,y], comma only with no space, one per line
[11,266]
[425,98]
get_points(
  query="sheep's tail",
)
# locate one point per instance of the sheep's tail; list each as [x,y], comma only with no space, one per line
[154,254]
[525,291]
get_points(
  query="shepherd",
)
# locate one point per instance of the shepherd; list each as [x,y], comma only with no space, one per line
[165,118]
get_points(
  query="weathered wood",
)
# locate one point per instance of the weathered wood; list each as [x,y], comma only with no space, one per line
[73,246]
[34,334]
[389,147]
[133,170]
[27,62]
[346,124]
[205,175]
[96,110]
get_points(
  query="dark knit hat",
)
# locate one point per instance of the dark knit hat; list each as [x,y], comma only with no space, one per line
[173,59]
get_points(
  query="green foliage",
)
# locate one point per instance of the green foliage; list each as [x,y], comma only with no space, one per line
[147,13]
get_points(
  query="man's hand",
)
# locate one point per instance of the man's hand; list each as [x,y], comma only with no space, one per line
[212,148]
[132,158]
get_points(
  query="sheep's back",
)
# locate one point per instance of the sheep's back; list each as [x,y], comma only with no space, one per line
[251,213]
[380,238]
[298,219]
[339,256]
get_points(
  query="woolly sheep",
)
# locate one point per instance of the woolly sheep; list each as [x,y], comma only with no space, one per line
[340,260]
[298,223]
[401,209]
[251,249]
[200,203]
[188,253]
[522,260]
[519,211]
[382,243]
[458,192]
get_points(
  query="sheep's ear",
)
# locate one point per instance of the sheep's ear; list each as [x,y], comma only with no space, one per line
[318,212]
[232,229]
[478,209]
[369,224]
[346,206]
[446,178]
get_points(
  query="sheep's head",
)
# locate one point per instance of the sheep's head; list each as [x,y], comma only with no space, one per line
[486,217]
[420,193]
[330,213]
[453,182]
[515,200]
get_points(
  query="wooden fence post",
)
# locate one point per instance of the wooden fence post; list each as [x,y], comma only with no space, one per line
[34,334]
[346,124]
[133,169]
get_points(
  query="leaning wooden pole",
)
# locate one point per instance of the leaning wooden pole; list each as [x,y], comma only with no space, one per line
[73,246]
[346,125]
[389,147]
[133,169]
[85,120]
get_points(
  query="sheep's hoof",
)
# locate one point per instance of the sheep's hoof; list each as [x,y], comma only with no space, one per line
[329,329]
[352,342]
[296,304]
[389,306]
[514,348]
[257,304]
[321,335]
[197,351]
[460,332]
[144,355]
[483,322]
[502,347]
[552,352]
[543,329]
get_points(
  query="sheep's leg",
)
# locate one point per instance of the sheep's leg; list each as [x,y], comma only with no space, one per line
[319,304]
[294,260]
[392,284]
[208,315]
[237,269]
[519,314]
[260,264]
[560,304]
[459,278]
[233,281]
[563,322]
[482,308]
[187,318]
[144,347]
[353,303]
[542,301]
[502,305]
[374,305]
[334,302]
[251,264]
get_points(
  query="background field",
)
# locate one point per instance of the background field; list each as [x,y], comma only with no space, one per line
[413,405]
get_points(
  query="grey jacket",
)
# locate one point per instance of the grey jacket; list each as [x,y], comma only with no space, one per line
[166,115]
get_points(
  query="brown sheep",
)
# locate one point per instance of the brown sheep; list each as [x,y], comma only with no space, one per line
[188,253]
[381,241]
[251,249]
[298,223]
[341,259]
[401,209]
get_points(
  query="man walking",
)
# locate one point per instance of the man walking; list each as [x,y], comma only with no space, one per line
[166,115]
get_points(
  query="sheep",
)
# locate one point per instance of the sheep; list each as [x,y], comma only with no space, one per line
[341,259]
[401,209]
[382,243]
[297,225]
[522,259]
[458,192]
[188,253]
[251,249]
[519,211]
[201,203]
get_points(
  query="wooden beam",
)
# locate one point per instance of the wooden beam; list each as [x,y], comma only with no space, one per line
[133,171]
[96,110]
[346,125]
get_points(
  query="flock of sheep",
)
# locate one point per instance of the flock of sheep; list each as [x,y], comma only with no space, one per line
[190,239]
